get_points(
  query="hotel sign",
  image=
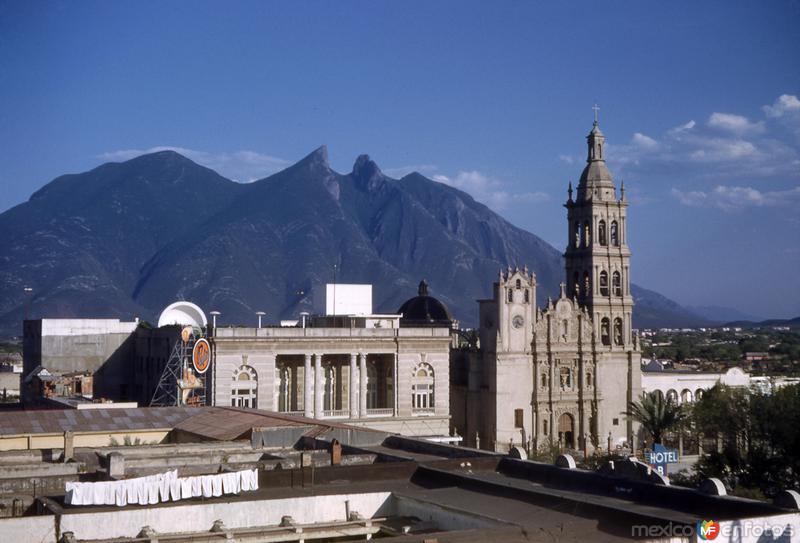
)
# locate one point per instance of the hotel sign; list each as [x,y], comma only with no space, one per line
[660,456]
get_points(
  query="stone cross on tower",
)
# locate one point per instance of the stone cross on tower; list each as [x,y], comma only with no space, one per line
[596,108]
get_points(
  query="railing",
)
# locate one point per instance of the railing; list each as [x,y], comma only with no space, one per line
[336,413]
[423,411]
[298,413]
[380,412]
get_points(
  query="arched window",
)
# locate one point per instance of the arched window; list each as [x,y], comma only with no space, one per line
[519,283]
[510,295]
[605,332]
[587,284]
[527,296]
[601,232]
[616,283]
[244,387]
[544,427]
[565,328]
[576,283]
[587,234]
[618,331]
[565,374]
[614,234]
[686,396]
[699,393]
[577,235]
[588,378]
[603,283]
[544,380]
[672,396]
[422,387]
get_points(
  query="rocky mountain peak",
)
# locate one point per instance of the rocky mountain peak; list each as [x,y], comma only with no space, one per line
[366,173]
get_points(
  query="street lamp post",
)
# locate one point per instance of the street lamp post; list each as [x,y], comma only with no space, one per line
[260,314]
[214,315]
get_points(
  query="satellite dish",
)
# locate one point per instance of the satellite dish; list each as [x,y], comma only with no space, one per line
[183,314]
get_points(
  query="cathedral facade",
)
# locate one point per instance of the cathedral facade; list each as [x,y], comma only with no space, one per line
[563,374]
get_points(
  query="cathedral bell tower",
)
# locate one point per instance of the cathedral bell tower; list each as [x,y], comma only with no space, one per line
[597,255]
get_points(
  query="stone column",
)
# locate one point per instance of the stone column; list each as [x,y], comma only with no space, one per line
[395,384]
[362,393]
[353,386]
[318,381]
[308,388]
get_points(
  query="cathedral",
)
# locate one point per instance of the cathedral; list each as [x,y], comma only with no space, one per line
[562,375]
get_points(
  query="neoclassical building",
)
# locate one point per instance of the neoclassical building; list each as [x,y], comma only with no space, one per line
[388,372]
[563,374]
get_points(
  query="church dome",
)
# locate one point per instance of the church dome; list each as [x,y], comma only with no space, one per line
[596,174]
[424,310]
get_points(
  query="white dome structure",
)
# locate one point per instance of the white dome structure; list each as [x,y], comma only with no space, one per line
[184,314]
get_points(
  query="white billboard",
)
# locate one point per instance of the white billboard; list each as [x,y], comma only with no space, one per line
[345,299]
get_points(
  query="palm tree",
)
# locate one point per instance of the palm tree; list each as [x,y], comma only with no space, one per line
[656,414]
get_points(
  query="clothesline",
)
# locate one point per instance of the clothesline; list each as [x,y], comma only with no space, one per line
[162,487]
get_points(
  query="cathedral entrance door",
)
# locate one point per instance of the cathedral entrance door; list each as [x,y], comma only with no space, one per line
[566,430]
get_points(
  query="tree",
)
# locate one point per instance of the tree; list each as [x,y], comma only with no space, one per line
[656,414]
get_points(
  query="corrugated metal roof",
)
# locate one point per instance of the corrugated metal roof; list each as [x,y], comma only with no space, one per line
[91,420]
[217,423]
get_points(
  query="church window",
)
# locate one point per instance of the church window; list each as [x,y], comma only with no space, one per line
[566,377]
[614,234]
[603,283]
[519,284]
[588,378]
[577,235]
[565,327]
[618,331]
[616,284]
[422,387]
[601,232]
[510,295]
[587,284]
[605,332]
[544,380]
[576,283]
[587,234]
[527,296]
[615,421]
[244,387]
[544,427]
[518,418]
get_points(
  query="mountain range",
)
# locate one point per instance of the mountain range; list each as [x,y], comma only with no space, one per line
[129,238]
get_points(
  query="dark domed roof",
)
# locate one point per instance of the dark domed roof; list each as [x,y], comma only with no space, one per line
[424,310]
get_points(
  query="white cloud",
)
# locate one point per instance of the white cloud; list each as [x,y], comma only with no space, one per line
[242,166]
[718,149]
[683,127]
[733,198]
[489,190]
[783,105]
[567,159]
[736,124]
[641,140]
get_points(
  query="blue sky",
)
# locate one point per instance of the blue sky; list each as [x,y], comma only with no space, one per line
[699,103]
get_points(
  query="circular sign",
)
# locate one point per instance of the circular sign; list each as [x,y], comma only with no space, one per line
[201,355]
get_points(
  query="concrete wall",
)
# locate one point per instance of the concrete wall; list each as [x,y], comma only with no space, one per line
[88,439]
[235,514]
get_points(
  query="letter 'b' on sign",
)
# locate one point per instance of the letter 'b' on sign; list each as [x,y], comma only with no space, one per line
[201,355]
